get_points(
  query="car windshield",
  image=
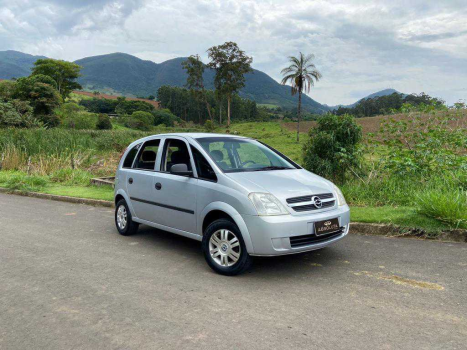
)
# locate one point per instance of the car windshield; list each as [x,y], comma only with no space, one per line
[241,155]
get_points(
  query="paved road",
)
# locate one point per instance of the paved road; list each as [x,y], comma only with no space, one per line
[69,281]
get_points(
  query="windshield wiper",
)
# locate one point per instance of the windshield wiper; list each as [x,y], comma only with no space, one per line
[273,167]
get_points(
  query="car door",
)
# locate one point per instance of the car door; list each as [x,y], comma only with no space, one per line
[140,180]
[176,194]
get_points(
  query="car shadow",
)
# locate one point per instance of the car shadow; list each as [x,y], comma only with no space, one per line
[292,265]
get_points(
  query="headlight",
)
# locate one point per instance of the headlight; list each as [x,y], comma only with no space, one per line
[340,197]
[267,204]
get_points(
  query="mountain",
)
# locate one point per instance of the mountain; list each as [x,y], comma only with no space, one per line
[384,92]
[130,75]
[124,74]
[15,64]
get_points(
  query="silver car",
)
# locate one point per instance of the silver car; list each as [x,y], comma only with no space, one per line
[236,195]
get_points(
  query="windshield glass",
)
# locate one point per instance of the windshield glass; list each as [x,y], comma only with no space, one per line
[239,155]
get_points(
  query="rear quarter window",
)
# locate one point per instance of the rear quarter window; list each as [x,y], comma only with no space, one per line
[130,157]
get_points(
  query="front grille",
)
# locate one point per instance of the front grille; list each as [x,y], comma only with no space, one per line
[312,206]
[300,241]
[308,198]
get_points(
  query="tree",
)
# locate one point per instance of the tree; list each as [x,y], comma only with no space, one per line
[7,89]
[164,116]
[195,82]
[231,65]
[43,97]
[62,72]
[302,75]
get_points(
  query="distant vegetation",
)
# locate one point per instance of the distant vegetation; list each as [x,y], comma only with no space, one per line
[188,107]
[391,104]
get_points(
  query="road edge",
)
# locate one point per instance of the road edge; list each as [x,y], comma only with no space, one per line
[54,197]
[454,235]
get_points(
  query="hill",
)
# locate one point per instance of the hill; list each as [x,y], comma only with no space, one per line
[124,74]
[130,75]
[15,64]
[120,73]
[384,92]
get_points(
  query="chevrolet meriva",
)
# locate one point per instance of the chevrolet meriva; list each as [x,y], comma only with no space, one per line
[238,196]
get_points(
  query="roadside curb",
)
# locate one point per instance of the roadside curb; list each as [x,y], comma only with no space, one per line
[455,235]
[76,200]
[388,230]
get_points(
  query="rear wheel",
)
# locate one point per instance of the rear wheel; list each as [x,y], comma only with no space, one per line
[224,248]
[123,220]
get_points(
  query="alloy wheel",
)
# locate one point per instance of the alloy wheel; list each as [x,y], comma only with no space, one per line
[122,217]
[224,248]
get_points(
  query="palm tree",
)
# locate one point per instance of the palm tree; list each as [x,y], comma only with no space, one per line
[302,75]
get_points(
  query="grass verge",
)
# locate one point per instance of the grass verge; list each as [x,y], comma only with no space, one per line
[406,217]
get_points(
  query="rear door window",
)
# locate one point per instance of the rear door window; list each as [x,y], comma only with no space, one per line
[147,156]
[130,157]
[175,152]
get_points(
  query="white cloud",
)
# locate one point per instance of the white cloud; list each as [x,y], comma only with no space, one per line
[360,46]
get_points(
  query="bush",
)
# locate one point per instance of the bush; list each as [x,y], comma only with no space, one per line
[73,116]
[103,122]
[129,107]
[17,113]
[26,183]
[99,105]
[164,116]
[49,120]
[81,121]
[422,147]
[140,121]
[333,148]
[209,126]
[445,205]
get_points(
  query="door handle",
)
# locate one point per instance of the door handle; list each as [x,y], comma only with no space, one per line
[158,186]
[130,180]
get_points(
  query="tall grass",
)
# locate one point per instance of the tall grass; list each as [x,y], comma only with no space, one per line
[448,206]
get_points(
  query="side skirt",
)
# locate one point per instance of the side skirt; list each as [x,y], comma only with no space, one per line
[169,229]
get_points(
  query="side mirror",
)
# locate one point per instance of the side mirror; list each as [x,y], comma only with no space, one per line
[180,169]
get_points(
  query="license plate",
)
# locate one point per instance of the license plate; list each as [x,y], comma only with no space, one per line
[326,226]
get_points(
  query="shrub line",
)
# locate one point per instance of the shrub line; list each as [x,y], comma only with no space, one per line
[455,235]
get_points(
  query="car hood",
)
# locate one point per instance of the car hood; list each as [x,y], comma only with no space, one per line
[283,183]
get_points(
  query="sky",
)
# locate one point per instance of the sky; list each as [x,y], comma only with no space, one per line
[360,46]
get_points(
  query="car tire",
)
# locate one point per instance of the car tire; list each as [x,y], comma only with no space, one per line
[123,219]
[224,248]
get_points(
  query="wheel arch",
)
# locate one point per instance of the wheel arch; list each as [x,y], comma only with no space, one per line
[218,210]
[120,194]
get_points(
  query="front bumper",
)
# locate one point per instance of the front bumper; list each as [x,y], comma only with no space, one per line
[270,235]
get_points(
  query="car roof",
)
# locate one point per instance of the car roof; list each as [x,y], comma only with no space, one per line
[199,135]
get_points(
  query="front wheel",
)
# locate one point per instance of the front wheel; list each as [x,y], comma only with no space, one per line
[123,220]
[224,248]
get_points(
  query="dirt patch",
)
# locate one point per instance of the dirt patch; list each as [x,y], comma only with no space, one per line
[113,97]
[372,124]
[401,280]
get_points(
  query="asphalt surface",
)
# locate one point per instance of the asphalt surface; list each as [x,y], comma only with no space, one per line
[69,281]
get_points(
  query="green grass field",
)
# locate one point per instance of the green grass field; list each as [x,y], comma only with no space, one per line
[50,155]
